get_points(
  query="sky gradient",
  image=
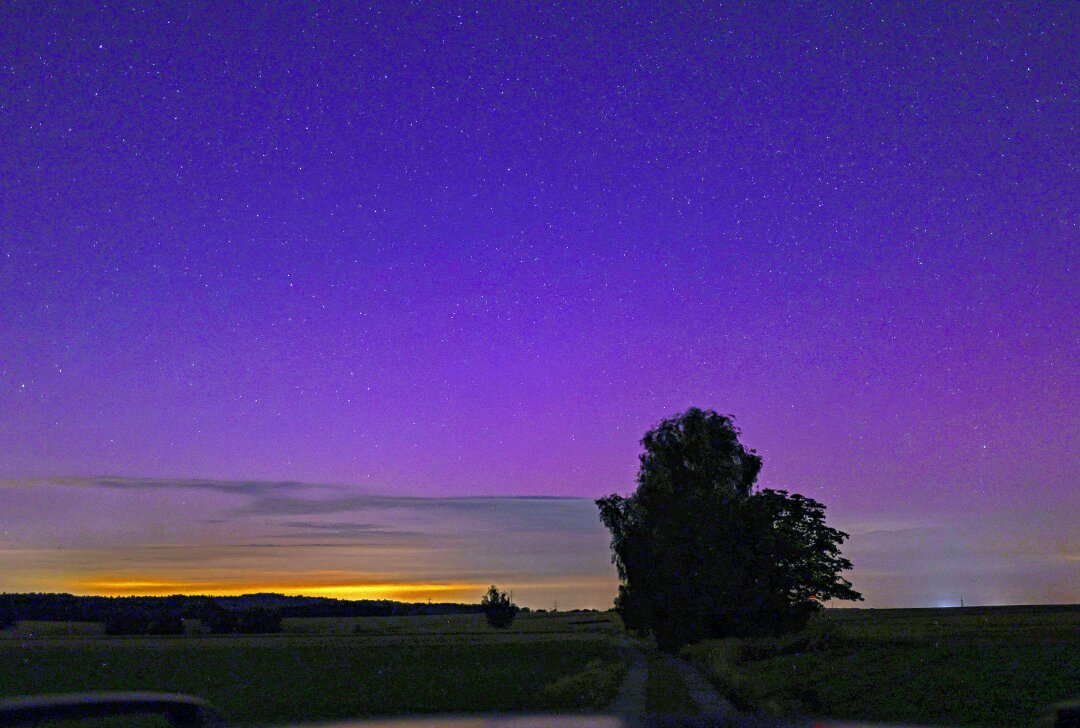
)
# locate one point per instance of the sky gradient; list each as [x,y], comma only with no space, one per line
[121,536]
[477,250]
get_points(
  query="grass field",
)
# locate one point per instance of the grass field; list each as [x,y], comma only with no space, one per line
[336,669]
[970,667]
[958,667]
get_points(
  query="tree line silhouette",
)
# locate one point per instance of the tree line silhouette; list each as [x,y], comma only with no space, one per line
[221,615]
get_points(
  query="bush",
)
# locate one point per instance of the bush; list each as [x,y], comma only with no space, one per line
[819,636]
[720,660]
[498,608]
[724,662]
[593,687]
[7,617]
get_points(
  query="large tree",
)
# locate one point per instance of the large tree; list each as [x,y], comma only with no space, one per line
[701,554]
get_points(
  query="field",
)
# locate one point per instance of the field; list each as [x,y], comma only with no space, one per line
[970,667]
[325,669]
[957,667]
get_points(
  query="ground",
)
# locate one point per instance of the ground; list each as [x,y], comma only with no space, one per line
[958,667]
[325,669]
[948,667]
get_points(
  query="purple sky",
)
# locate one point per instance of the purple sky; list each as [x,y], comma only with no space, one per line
[479,250]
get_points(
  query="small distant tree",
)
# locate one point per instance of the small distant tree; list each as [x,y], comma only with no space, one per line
[498,608]
[7,616]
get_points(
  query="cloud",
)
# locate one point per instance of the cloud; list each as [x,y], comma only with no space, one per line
[291,498]
[354,531]
[143,530]
[1016,555]
[552,511]
[164,534]
[238,487]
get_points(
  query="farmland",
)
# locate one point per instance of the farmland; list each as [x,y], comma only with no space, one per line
[970,667]
[325,669]
[958,667]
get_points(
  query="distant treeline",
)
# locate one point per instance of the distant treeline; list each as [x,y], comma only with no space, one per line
[71,608]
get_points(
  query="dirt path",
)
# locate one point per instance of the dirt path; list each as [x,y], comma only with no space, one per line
[704,695]
[631,704]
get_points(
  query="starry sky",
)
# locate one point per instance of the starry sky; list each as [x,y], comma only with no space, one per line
[339,290]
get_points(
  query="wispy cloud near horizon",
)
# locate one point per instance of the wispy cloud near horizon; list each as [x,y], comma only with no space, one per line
[79,534]
[153,536]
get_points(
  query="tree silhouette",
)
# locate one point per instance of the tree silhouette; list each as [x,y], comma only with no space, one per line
[498,608]
[249,620]
[258,620]
[165,622]
[700,554]
[127,620]
[7,616]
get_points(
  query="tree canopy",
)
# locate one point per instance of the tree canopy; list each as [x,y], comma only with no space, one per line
[701,554]
[498,608]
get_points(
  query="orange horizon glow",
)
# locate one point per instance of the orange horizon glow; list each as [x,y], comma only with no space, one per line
[334,588]
[81,538]
[396,591]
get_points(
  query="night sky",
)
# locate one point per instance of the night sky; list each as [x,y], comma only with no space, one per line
[293,286]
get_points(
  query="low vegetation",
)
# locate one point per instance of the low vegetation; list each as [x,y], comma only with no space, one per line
[325,670]
[593,686]
[971,667]
[666,693]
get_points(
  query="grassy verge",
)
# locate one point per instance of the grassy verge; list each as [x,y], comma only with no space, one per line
[953,667]
[277,679]
[666,693]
